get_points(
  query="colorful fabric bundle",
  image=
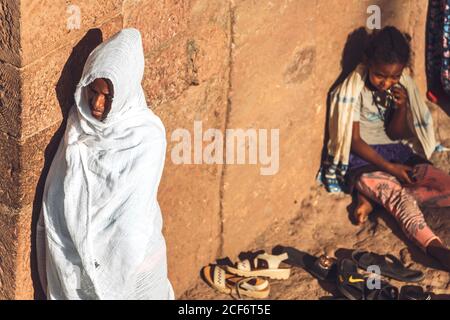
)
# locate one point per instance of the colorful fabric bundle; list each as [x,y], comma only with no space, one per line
[438,46]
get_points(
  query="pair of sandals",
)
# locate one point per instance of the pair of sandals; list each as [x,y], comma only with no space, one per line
[247,277]
[355,286]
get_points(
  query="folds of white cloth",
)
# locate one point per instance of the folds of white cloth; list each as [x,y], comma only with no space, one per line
[100,231]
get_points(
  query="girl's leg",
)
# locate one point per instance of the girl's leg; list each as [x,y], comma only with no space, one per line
[386,190]
[432,186]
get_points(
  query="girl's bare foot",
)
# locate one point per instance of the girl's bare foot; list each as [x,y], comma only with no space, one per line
[363,209]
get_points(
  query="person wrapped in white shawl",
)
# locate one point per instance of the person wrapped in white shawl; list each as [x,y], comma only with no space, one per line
[99,234]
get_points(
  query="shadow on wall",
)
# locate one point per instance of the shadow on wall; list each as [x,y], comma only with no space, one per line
[65,88]
[352,55]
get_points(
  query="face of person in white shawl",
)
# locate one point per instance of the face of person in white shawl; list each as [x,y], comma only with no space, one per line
[100,98]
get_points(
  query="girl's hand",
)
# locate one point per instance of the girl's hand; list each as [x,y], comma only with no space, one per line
[400,96]
[401,172]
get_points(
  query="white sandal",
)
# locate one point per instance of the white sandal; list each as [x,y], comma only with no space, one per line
[264,265]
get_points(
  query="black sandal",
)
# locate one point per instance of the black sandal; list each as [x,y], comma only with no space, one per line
[354,286]
[386,292]
[414,293]
[323,268]
[349,282]
[390,266]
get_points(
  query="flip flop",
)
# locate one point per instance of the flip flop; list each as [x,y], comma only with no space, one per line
[332,298]
[386,292]
[236,286]
[354,285]
[349,282]
[414,293]
[264,265]
[389,265]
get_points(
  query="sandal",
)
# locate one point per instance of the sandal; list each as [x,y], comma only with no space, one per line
[322,268]
[386,292]
[264,265]
[349,282]
[389,265]
[414,293]
[354,285]
[227,283]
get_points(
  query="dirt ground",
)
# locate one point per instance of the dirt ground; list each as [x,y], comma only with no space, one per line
[322,225]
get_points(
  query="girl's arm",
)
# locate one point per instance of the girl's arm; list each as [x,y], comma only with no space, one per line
[366,152]
[398,127]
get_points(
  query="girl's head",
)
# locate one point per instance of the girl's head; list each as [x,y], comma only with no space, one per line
[388,52]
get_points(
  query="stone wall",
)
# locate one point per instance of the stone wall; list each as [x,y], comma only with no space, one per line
[231,64]
[286,57]
[186,47]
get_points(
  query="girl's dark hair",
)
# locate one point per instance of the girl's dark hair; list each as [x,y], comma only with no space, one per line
[387,46]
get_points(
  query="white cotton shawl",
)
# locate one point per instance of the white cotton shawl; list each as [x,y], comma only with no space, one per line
[99,233]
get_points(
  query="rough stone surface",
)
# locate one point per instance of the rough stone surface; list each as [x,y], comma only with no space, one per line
[46,24]
[8,249]
[10,32]
[189,58]
[33,155]
[25,257]
[164,20]
[238,64]
[185,82]
[189,194]
[272,88]
[10,99]
[9,171]
[166,72]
